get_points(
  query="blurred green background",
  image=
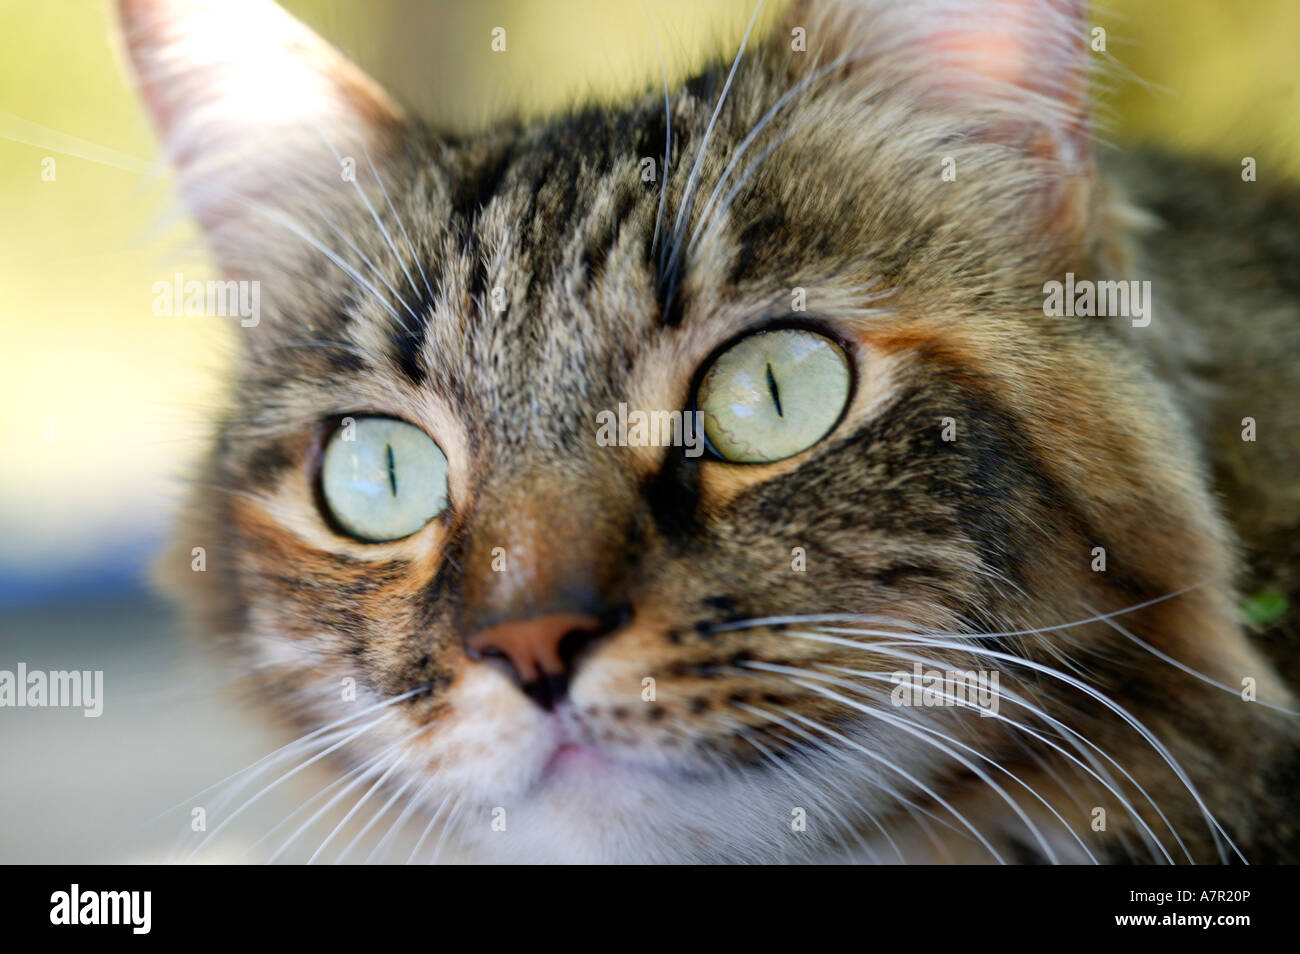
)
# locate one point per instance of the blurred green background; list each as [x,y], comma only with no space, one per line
[103,405]
[106,404]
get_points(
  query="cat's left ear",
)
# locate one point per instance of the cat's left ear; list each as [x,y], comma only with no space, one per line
[251,105]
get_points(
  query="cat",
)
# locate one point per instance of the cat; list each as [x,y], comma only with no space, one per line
[957,580]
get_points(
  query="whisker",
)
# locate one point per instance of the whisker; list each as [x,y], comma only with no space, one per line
[744,733]
[397,257]
[917,724]
[1094,770]
[284,778]
[452,820]
[357,807]
[391,208]
[803,619]
[343,779]
[1216,829]
[758,128]
[24,131]
[286,223]
[433,820]
[310,735]
[1188,669]
[383,810]
[344,783]
[935,796]
[692,179]
[912,731]
[370,768]
[1076,739]
[372,266]
[876,780]
[411,805]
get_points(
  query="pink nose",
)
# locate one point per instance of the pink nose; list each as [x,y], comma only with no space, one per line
[539,651]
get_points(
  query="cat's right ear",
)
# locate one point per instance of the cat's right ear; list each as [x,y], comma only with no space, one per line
[1009,73]
[253,108]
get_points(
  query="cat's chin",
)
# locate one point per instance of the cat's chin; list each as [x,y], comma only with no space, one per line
[589,805]
[530,786]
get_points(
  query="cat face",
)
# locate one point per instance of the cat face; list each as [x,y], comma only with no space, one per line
[566,647]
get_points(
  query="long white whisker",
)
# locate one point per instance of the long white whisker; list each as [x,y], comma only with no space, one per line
[287,223]
[907,629]
[401,757]
[771,757]
[692,179]
[883,713]
[369,769]
[383,810]
[409,809]
[16,129]
[1078,741]
[758,129]
[391,208]
[307,805]
[1216,829]
[284,778]
[289,745]
[1188,669]
[876,757]
[452,819]
[375,270]
[1081,743]
[433,820]
[379,222]
[911,730]
[862,841]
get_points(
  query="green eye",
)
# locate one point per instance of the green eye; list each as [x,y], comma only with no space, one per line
[773,394]
[382,479]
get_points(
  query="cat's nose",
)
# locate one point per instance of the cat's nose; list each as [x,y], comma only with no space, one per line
[540,652]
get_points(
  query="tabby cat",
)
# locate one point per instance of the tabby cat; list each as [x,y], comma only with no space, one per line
[953,578]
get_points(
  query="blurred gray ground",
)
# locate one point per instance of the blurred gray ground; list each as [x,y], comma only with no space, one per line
[77,789]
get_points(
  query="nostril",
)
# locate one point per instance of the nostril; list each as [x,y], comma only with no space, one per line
[542,652]
[575,641]
[546,690]
[493,657]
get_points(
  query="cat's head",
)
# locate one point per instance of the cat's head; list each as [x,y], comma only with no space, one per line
[422,488]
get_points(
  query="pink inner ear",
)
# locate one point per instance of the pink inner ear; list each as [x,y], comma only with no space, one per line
[251,105]
[1035,45]
[997,56]
[216,72]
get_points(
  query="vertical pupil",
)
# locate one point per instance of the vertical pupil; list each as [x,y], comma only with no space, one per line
[392,469]
[776,392]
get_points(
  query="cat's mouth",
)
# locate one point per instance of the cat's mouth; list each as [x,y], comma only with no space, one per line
[575,758]
[571,757]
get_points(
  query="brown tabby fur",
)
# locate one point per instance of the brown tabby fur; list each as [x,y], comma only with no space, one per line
[1071,434]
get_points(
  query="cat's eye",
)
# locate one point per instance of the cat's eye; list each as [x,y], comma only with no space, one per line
[382,479]
[773,394]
